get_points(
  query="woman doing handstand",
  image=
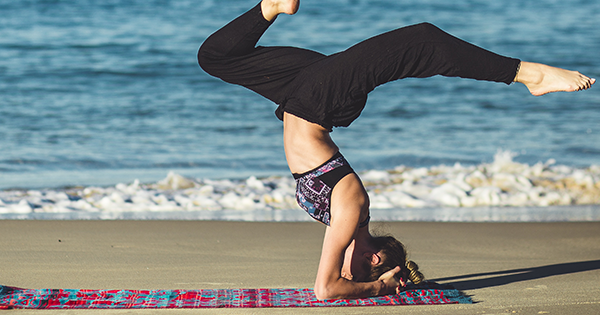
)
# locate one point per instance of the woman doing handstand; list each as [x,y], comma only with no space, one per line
[316,93]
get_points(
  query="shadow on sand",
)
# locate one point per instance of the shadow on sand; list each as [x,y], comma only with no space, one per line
[497,278]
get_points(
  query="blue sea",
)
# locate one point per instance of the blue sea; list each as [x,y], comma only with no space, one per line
[104,92]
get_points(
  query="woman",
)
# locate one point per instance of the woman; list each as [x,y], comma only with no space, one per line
[316,93]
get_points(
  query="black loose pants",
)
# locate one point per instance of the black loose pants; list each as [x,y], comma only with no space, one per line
[332,90]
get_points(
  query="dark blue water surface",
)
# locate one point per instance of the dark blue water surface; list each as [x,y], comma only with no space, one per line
[100,92]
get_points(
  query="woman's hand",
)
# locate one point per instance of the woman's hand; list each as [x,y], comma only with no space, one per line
[391,284]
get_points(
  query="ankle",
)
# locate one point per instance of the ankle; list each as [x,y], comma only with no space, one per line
[269,10]
[272,8]
[529,73]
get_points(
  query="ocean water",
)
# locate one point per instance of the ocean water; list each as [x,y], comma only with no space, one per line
[96,93]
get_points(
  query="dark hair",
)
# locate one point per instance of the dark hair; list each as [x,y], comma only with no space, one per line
[393,254]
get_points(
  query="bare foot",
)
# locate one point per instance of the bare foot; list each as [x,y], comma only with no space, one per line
[541,79]
[272,8]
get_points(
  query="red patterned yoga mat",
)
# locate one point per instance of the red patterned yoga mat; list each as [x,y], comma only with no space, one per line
[11,297]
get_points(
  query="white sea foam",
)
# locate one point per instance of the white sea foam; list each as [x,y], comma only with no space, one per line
[500,191]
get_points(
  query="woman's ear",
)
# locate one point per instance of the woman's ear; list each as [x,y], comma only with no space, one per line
[373,258]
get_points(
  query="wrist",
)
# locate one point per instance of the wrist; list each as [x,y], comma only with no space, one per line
[379,288]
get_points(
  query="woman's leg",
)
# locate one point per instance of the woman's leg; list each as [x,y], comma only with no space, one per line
[333,91]
[423,50]
[231,53]
[420,51]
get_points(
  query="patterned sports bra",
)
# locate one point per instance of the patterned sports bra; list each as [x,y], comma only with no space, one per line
[313,188]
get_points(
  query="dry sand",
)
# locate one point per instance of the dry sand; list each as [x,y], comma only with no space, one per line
[508,268]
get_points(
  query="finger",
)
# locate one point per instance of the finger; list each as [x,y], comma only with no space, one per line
[401,287]
[392,272]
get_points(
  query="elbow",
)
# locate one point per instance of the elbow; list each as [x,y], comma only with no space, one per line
[322,292]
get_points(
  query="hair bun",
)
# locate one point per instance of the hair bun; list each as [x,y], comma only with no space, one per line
[414,275]
[411,265]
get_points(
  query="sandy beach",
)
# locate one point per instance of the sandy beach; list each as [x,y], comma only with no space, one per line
[507,268]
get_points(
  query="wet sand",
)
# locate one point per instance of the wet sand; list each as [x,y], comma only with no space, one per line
[507,268]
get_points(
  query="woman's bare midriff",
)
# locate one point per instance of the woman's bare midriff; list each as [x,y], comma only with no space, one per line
[307,145]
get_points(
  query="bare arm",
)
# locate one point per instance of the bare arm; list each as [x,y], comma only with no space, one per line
[348,201]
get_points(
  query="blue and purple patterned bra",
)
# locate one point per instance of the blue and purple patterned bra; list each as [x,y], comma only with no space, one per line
[313,188]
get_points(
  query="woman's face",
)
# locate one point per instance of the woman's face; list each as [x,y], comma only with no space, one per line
[358,263]
[361,269]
